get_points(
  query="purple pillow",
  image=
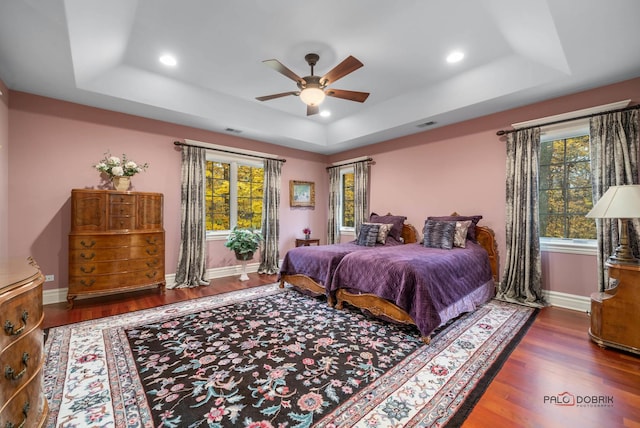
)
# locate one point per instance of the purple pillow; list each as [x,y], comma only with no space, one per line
[471,232]
[396,220]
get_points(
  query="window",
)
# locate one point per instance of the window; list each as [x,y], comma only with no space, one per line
[233,194]
[347,207]
[565,188]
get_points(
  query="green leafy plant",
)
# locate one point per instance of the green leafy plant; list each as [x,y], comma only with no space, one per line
[243,241]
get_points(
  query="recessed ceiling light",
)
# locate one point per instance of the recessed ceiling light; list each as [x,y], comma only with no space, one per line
[455,56]
[325,113]
[168,60]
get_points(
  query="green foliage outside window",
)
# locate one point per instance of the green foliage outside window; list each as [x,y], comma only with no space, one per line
[348,204]
[249,190]
[565,189]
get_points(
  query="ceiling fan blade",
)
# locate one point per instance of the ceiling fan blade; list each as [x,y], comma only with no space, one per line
[270,97]
[281,68]
[311,110]
[347,95]
[345,67]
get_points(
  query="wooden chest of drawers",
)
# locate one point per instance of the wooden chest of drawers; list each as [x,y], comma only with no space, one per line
[22,400]
[116,242]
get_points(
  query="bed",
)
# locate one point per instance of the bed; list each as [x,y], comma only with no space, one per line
[310,269]
[416,285]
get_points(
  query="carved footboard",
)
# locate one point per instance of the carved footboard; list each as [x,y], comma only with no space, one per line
[305,283]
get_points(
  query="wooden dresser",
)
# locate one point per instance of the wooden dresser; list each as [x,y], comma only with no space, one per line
[22,400]
[116,242]
[615,313]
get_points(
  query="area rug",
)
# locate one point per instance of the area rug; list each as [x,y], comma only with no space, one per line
[270,357]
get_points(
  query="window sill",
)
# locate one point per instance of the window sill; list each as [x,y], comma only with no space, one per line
[587,247]
[217,236]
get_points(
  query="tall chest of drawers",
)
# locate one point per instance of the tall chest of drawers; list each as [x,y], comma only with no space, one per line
[22,400]
[116,243]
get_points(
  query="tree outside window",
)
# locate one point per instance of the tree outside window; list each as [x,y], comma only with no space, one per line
[565,189]
[348,200]
[233,195]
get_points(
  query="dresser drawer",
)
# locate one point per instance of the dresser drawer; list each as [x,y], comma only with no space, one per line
[98,255]
[143,239]
[147,251]
[89,242]
[19,363]
[20,313]
[100,283]
[121,199]
[144,264]
[121,223]
[28,406]
[98,268]
[122,210]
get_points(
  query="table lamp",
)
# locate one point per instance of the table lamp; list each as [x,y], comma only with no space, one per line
[622,203]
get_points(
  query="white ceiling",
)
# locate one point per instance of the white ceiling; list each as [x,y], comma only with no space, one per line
[104,53]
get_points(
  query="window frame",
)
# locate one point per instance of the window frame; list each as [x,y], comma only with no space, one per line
[234,161]
[567,245]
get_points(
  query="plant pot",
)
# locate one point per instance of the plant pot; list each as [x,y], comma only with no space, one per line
[121,184]
[244,256]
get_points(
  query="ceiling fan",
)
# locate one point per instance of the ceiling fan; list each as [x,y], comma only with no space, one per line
[314,88]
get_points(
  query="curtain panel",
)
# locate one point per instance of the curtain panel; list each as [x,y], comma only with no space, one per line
[614,141]
[270,217]
[360,194]
[192,256]
[522,278]
[333,225]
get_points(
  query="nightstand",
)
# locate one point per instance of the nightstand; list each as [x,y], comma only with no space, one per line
[615,312]
[307,242]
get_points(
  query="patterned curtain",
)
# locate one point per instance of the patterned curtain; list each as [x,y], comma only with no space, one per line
[192,257]
[360,192]
[333,227]
[270,217]
[521,281]
[614,162]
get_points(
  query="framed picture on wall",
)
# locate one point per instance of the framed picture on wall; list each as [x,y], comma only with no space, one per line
[302,194]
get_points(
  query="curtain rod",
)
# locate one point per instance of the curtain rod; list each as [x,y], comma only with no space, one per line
[349,163]
[503,132]
[180,143]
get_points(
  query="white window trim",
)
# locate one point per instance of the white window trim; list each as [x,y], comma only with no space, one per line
[234,161]
[587,247]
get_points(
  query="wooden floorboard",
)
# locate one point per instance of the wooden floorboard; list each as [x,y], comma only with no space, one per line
[555,356]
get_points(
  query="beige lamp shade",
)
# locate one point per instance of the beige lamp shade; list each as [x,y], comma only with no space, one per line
[618,202]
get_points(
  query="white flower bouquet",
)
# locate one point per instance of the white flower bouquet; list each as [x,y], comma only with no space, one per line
[113,166]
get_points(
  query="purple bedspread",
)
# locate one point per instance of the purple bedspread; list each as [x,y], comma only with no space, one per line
[425,282]
[319,262]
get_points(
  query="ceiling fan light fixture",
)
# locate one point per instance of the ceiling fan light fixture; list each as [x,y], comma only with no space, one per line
[312,96]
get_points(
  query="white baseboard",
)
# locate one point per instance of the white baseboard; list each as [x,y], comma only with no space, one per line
[568,301]
[59,295]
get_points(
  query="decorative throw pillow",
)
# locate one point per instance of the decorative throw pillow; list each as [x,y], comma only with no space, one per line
[471,231]
[368,235]
[439,234]
[460,235]
[396,220]
[383,231]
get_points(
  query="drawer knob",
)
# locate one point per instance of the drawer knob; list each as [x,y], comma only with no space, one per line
[152,274]
[152,241]
[153,263]
[25,411]
[11,374]
[89,245]
[87,284]
[152,251]
[89,257]
[85,270]
[9,326]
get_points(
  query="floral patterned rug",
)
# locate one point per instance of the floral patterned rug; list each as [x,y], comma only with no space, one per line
[267,357]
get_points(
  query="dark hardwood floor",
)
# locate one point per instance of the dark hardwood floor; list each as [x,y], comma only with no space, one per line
[555,357]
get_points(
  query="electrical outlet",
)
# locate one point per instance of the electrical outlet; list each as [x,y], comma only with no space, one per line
[49,278]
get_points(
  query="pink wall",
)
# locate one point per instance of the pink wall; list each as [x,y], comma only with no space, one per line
[4,171]
[54,145]
[462,168]
[454,168]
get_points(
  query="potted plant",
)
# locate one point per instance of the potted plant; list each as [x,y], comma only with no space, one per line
[244,242]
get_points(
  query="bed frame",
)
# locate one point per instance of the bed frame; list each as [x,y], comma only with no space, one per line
[303,282]
[385,309]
